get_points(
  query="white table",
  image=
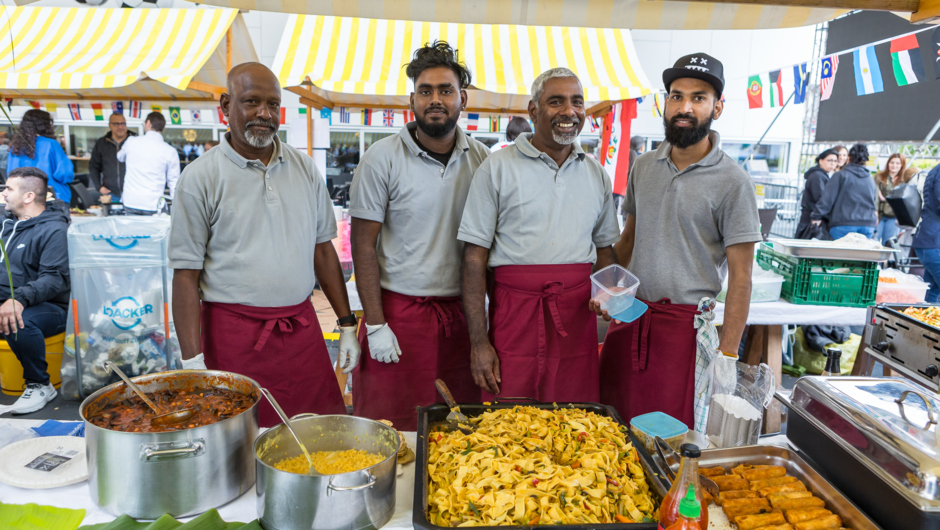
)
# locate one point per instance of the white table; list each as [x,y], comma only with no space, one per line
[765,333]
[242,509]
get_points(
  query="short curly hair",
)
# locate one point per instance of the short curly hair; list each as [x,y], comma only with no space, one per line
[438,54]
[858,154]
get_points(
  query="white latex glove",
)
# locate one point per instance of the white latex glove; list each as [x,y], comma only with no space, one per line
[383,344]
[196,363]
[349,349]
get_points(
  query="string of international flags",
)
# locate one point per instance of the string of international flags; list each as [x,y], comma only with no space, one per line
[768,89]
[386,118]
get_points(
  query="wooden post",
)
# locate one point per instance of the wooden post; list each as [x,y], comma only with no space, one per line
[228,50]
[309,131]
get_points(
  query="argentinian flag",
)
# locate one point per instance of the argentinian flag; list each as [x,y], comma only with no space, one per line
[867,71]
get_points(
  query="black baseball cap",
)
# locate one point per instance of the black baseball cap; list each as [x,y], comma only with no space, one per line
[699,66]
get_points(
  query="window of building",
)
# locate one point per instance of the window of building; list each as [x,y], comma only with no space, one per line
[591,146]
[775,154]
[189,142]
[372,137]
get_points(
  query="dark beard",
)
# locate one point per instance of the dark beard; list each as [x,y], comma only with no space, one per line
[437,130]
[683,137]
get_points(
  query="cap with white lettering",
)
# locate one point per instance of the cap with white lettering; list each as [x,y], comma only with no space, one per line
[699,66]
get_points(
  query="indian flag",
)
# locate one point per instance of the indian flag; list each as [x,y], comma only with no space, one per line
[867,71]
[906,60]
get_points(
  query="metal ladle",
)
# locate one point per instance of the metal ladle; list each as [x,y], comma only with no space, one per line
[290,427]
[161,418]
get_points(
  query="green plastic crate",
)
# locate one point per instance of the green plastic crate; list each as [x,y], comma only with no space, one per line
[810,280]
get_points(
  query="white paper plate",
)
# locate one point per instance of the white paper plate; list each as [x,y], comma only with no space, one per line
[15,457]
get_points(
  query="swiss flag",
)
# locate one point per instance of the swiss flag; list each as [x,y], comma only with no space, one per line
[222,119]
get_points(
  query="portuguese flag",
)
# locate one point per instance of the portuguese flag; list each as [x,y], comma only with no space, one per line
[906,61]
[755,99]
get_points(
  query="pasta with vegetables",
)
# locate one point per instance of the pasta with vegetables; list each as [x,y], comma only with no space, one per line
[526,465]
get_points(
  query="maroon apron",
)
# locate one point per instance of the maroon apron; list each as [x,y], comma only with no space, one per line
[648,365]
[432,334]
[544,333]
[281,348]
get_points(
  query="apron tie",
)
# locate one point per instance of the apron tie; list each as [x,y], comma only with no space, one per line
[283,323]
[550,296]
[442,315]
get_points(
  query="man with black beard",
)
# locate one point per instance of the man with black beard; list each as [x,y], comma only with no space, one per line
[406,200]
[539,218]
[250,234]
[691,220]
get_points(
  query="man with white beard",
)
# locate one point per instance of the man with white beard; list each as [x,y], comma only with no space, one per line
[252,224]
[539,218]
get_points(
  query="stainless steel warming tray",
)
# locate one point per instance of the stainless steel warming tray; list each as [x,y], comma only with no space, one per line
[876,439]
[905,344]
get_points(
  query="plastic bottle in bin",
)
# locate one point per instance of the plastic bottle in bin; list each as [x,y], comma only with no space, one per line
[690,512]
[686,477]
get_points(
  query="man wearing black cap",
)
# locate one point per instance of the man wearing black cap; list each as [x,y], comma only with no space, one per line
[691,219]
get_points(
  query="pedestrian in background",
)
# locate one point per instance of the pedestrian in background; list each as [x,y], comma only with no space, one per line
[926,241]
[152,166]
[886,180]
[34,145]
[516,127]
[848,204]
[105,172]
[843,156]
[816,179]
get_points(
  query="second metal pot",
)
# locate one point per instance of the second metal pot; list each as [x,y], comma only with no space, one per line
[363,499]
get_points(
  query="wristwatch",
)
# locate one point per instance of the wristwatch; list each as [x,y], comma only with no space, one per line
[347,321]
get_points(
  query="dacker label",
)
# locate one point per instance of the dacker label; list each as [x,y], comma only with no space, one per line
[126,312]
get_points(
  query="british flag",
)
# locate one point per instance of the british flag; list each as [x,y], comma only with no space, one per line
[388,118]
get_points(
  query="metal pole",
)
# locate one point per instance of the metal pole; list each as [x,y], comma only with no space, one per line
[755,146]
[309,130]
[923,146]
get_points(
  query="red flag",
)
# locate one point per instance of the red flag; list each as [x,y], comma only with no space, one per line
[34,104]
[755,92]
[615,147]
[409,116]
[222,119]
[283,116]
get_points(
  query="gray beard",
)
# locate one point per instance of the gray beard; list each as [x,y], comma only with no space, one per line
[562,139]
[259,141]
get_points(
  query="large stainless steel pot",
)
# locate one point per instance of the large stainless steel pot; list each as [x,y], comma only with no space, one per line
[348,501]
[146,475]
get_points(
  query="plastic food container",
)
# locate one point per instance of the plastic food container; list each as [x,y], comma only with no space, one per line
[765,286]
[648,426]
[895,287]
[615,288]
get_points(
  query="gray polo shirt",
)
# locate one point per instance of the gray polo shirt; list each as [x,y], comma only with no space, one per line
[528,211]
[684,221]
[419,202]
[251,229]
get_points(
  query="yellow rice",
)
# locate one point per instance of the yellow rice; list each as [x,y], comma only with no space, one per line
[330,462]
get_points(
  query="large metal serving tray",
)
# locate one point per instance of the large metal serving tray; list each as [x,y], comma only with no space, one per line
[796,466]
[803,248]
[438,412]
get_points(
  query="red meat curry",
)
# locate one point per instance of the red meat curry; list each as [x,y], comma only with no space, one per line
[211,405]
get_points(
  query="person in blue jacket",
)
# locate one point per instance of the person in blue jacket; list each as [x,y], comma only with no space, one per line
[34,145]
[926,241]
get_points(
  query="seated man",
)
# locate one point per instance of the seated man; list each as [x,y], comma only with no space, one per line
[34,234]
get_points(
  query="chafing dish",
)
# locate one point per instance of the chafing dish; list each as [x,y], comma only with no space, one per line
[905,344]
[876,439]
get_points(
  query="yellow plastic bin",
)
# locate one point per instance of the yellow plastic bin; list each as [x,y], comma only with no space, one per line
[11,371]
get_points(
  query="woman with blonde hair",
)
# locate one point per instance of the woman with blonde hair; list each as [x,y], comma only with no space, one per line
[886,180]
[843,153]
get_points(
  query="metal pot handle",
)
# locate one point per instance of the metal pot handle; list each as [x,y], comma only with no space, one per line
[931,414]
[162,451]
[330,488]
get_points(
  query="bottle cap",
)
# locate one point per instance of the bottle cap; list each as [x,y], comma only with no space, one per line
[830,352]
[689,507]
[690,451]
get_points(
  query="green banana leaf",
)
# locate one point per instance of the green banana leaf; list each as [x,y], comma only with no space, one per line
[210,520]
[35,517]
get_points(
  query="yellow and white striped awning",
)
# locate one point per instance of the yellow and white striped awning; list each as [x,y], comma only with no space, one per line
[626,14]
[98,50]
[365,56]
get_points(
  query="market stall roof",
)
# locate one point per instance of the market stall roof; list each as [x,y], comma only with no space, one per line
[120,54]
[358,62]
[627,14]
